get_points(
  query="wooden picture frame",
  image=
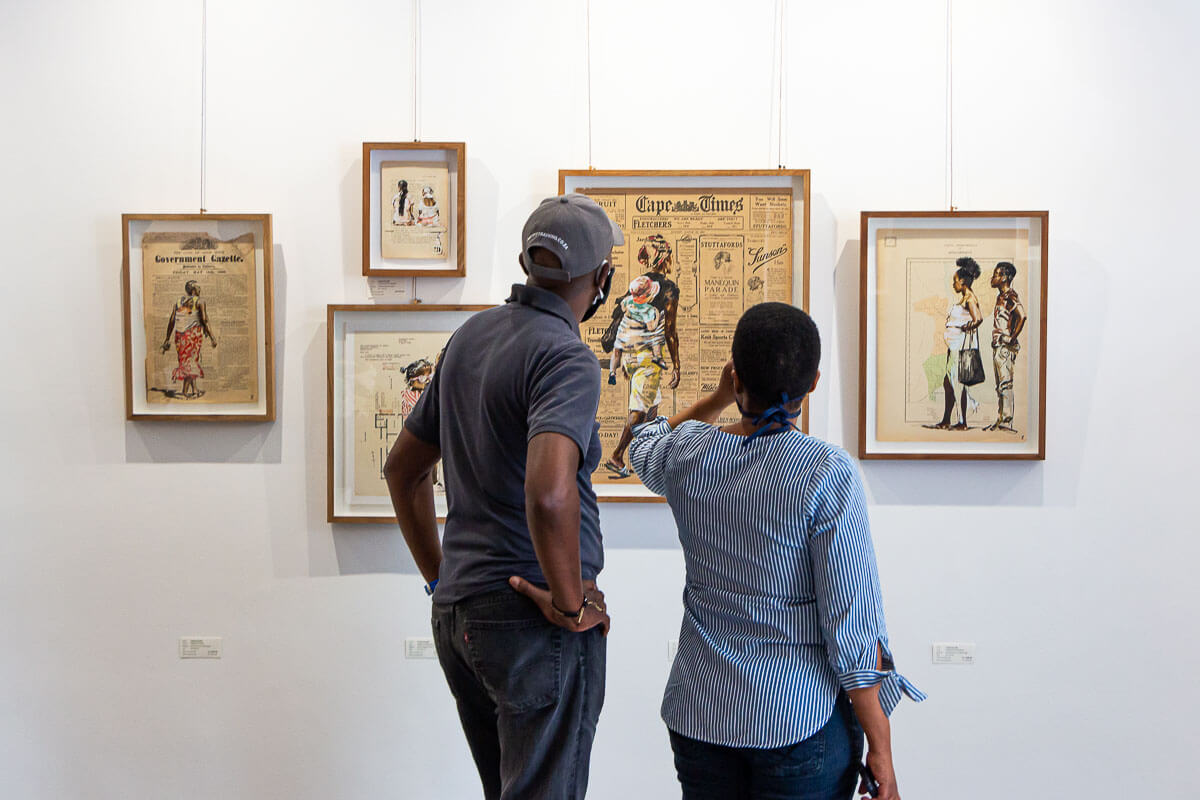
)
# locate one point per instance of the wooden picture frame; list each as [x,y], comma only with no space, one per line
[403,234]
[921,318]
[206,280]
[733,238]
[386,340]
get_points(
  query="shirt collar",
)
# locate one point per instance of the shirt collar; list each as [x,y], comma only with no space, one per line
[545,301]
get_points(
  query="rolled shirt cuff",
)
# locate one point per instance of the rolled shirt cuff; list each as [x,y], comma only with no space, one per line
[655,427]
[892,685]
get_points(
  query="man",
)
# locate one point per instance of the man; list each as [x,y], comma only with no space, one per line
[511,412]
[1008,321]
[641,367]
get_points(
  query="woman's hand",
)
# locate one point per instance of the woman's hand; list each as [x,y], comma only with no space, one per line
[724,391]
[885,776]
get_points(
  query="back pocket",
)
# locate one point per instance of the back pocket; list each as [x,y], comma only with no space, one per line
[518,661]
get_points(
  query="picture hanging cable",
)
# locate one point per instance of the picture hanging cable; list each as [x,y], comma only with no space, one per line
[950,104]
[203,97]
[588,48]
[780,29]
[416,68]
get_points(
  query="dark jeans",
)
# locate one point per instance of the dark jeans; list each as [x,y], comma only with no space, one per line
[529,694]
[822,767]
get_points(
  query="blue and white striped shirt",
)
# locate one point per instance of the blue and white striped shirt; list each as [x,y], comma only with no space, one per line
[781,604]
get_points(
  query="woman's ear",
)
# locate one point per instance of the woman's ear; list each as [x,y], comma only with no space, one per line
[816,378]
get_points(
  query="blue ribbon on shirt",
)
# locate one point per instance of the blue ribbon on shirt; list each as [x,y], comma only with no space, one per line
[779,418]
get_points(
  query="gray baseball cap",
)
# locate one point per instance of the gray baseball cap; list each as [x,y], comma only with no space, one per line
[574,228]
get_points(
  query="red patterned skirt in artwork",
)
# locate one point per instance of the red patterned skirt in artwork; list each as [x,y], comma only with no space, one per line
[187,345]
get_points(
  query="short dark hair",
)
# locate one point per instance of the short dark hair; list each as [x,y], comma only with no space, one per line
[1007,270]
[776,350]
[968,269]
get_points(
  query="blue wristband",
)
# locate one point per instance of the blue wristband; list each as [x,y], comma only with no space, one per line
[429,587]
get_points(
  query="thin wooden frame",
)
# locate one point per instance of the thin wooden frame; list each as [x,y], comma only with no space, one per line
[870,448]
[335,380]
[797,180]
[455,156]
[200,223]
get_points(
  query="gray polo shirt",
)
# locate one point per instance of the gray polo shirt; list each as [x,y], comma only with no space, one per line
[508,374]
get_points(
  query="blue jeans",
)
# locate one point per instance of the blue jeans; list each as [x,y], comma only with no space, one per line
[822,767]
[529,694]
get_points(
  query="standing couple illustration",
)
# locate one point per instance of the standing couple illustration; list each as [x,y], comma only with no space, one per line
[964,367]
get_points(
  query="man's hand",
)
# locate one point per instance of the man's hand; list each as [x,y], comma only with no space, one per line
[594,613]
[881,767]
[674,383]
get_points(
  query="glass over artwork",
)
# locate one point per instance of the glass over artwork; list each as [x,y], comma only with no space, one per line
[954,335]
[198,308]
[699,250]
[381,359]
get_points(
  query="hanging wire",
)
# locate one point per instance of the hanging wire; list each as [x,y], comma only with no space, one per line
[779,23]
[588,48]
[416,68]
[203,98]
[950,104]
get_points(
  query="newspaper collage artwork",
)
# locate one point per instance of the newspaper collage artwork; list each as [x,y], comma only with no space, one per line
[199,291]
[692,262]
[388,372]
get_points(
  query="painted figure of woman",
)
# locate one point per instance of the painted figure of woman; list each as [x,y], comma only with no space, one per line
[402,205]
[961,320]
[189,321]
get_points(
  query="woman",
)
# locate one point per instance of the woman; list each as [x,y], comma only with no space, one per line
[402,205]
[189,321]
[962,320]
[783,651]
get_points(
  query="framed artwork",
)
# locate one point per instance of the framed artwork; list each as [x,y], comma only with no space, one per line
[196,302]
[414,209]
[379,360]
[700,247]
[952,358]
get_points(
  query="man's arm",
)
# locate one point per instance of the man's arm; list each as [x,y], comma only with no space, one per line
[408,472]
[1016,322]
[552,511]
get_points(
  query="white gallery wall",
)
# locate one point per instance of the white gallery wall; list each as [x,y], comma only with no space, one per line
[1075,577]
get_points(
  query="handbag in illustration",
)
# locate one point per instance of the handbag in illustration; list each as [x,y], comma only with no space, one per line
[970,364]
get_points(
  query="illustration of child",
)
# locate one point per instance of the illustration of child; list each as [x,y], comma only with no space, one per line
[640,325]
[428,212]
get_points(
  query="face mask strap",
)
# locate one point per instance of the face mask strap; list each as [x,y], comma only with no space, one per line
[777,418]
